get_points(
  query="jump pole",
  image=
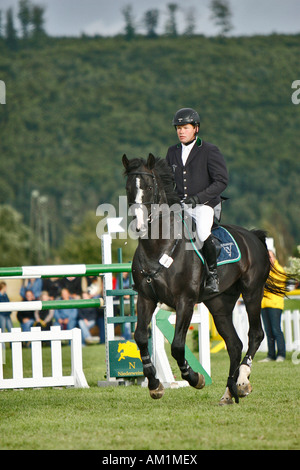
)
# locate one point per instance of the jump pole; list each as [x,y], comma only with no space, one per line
[76,270]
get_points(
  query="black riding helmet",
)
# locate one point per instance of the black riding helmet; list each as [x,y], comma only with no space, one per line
[186,116]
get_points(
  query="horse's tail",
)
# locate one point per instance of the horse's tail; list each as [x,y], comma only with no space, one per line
[261,235]
[277,281]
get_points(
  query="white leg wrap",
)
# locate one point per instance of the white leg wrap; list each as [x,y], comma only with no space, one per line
[243,375]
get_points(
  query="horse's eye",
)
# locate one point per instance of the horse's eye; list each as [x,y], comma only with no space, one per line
[150,188]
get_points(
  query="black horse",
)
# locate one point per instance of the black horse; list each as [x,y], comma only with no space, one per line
[165,271]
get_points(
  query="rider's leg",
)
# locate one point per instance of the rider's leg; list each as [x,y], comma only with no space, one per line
[210,254]
[204,217]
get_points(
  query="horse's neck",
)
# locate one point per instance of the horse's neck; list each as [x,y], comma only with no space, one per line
[160,237]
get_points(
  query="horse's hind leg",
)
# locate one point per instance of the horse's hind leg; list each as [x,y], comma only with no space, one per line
[145,309]
[221,308]
[256,335]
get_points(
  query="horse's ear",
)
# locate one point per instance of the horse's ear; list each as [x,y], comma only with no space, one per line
[151,161]
[125,161]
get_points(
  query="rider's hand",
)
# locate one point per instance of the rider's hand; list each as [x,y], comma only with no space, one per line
[192,201]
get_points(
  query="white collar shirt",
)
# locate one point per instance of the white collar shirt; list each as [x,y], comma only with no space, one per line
[186,149]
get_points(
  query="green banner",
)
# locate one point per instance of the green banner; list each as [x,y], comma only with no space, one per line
[125,359]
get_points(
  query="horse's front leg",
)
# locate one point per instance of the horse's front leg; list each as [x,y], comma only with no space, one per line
[145,309]
[184,312]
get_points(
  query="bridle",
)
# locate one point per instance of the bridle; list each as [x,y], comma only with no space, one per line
[156,195]
[150,276]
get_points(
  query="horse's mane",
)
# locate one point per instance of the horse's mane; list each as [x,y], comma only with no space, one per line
[162,171]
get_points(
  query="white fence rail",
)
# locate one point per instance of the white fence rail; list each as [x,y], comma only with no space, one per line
[290,322]
[16,337]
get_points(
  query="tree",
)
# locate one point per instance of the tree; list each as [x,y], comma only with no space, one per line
[37,20]
[82,245]
[14,238]
[24,16]
[32,19]
[1,25]
[221,14]
[190,22]
[129,22]
[150,22]
[294,265]
[10,31]
[171,27]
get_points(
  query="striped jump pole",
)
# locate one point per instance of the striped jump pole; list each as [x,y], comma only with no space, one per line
[66,270]
[49,304]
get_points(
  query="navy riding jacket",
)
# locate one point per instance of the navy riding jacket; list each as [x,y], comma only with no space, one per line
[204,174]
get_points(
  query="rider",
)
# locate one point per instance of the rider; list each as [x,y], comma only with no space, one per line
[201,176]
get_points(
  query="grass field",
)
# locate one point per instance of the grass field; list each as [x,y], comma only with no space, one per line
[117,418]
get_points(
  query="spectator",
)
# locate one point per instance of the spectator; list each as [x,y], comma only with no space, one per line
[126,284]
[66,318]
[34,285]
[87,318]
[94,286]
[73,284]
[95,290]
[43,318]
[52,286]
[272,307]
[26,318]
[5,320]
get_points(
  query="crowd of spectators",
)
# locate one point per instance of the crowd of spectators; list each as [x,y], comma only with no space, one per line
[87,319]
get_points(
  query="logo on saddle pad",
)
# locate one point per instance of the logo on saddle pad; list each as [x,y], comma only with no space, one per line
[128,349]
[228,248]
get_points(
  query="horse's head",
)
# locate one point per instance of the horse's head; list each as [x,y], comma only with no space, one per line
[143,188]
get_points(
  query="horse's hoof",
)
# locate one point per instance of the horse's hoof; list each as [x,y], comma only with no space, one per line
[244,389]
[226,401]
[158,392]
[226,398]
[201,382]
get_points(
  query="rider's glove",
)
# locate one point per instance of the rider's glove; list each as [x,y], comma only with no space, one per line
[192,201]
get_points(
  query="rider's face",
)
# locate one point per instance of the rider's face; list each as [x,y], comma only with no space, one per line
[186,133]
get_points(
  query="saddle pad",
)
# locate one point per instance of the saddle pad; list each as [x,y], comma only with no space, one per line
[230,252]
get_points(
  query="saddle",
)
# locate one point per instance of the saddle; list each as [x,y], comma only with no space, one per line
[227,248]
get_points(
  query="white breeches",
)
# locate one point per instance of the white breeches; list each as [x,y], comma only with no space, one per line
[204,218]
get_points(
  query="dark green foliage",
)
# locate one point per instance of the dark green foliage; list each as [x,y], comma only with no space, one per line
[75,106]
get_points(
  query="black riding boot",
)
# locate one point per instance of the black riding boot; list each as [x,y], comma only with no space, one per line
[210,254]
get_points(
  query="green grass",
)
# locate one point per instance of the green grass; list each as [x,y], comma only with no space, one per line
[117,418]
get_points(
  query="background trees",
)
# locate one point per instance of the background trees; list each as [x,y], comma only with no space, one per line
[221,15]
[76,105]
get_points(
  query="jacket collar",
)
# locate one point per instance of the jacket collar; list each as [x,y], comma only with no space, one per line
[192,154]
